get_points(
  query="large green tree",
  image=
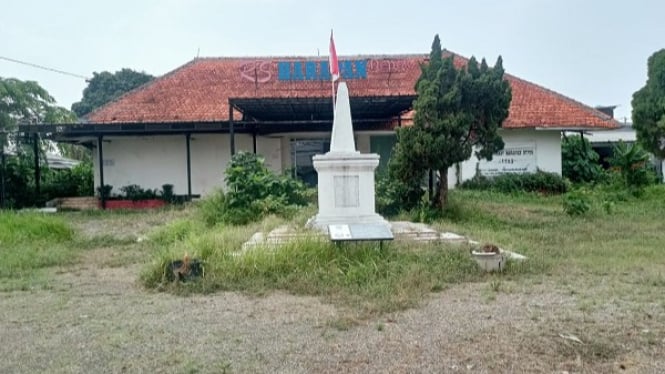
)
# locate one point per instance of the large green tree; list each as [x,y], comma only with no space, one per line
[649,107]
[28,102]
[104,87]
[457,111]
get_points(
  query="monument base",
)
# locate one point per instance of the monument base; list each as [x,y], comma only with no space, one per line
[346,177]
[321,222]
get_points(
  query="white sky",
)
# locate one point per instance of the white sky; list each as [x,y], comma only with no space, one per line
[594,51]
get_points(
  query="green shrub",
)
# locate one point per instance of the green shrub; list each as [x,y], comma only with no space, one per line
[167,193]
[395,192]
[631,162]
[579,161]
[104,191]
[388,202]
[20,181]
[400,187]
[540,181]
[577,203]
[212,208]
[77,181]
[249,180]
[135,192]
[253,193]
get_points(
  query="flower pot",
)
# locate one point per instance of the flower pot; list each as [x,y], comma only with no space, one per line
[489,261]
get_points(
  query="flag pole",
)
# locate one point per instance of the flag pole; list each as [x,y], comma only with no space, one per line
[333,64]
[332,87]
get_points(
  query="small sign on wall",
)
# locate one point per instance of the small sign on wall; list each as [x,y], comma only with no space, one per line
[512,159]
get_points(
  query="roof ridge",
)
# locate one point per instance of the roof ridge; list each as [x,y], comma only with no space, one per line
[324,57]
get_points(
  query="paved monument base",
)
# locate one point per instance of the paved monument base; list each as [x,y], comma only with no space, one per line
[321,222]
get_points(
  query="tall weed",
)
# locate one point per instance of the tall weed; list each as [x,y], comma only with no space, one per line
[31,241]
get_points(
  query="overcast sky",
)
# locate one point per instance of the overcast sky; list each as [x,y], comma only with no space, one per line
[594,51]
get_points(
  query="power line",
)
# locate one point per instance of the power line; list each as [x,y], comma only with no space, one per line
[44,68]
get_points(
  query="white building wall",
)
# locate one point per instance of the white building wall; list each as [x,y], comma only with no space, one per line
[547,146]
[148,161]
[211,154]
[285,144]
[151,161]
[95,168]
[271,149]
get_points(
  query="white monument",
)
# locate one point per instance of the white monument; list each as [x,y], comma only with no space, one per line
[345,176]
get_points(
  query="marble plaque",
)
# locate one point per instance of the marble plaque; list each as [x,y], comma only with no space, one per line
[370,232]
[339,232]
[347,191]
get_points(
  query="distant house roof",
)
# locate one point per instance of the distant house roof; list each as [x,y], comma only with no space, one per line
[624,133]
[200,90]
[53,161]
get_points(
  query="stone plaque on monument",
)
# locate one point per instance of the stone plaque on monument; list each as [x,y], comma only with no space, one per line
[339,232]
[359,232]
[347,191]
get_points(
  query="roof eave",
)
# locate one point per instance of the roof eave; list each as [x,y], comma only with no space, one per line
[573,128]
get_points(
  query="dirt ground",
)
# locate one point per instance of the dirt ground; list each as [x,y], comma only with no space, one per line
[96,318]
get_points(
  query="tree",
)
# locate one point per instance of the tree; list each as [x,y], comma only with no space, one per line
[27,102]
[649,107]
[24,102]
[457,111]
[105,87]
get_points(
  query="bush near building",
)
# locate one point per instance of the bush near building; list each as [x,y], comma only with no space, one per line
[540,181]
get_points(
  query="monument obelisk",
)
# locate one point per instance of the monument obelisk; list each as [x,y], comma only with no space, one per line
[345,176]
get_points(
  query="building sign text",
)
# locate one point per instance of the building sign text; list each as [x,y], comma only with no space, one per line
[319,70]
[512,159]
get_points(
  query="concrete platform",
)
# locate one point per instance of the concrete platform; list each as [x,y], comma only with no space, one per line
[402,231]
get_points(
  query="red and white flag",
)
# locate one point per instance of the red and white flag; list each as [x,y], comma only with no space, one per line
[332,59]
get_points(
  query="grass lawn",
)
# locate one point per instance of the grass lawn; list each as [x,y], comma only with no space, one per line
[618,250]
[598,278]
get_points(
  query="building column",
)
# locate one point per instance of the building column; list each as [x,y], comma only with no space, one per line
[38,171]
[231,131]
[188,138]
[100,156]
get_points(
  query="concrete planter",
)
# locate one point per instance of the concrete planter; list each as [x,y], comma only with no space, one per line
[489,261]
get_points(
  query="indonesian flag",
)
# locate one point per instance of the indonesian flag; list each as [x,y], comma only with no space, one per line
[332,59]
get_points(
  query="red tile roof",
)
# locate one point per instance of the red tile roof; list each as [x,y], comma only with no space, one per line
[199,91]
